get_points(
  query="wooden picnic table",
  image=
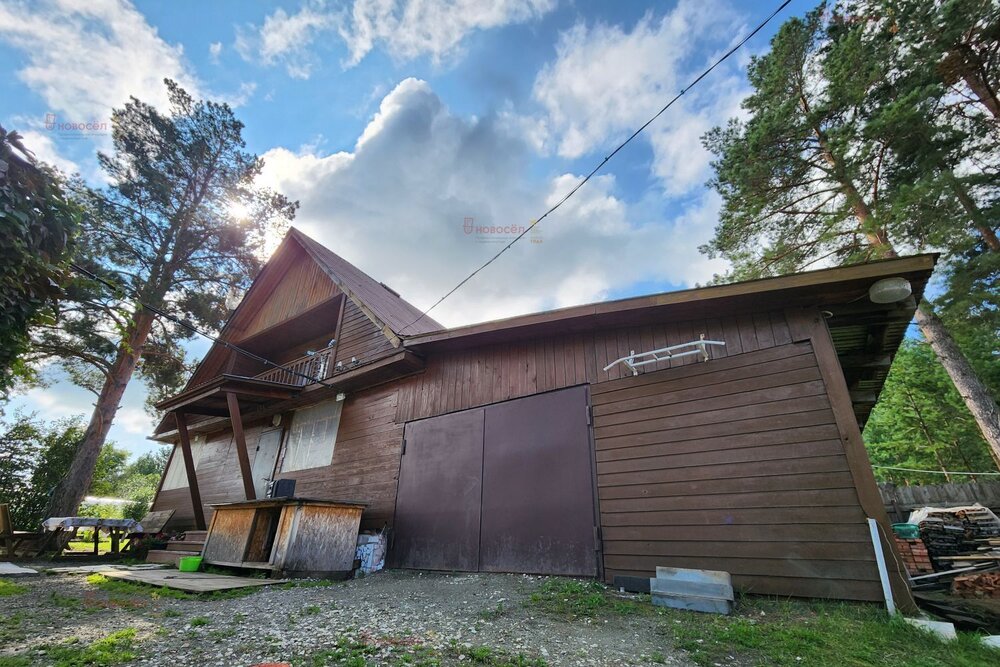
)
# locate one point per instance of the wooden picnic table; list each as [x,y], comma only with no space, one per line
[116,528]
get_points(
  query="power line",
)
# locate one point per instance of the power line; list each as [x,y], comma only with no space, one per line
[190,327]
[586,178]
[935,472]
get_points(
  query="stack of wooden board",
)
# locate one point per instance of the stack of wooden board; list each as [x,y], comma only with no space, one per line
[695,590]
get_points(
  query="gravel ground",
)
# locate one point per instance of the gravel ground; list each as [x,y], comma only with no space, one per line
[392,610]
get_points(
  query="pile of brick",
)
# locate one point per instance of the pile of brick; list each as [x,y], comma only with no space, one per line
[915,557]
[983,585]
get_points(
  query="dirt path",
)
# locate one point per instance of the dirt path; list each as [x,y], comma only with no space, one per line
[394,617]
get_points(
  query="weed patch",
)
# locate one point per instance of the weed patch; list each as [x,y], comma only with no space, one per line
[10,588]
[777,632]
[199,621]
[115,649]
[575,598]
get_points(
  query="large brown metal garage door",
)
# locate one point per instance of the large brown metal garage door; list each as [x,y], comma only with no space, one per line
[535,512]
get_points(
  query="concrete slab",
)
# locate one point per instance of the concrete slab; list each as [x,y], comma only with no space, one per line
[190,582]
[11,570]
[942,629]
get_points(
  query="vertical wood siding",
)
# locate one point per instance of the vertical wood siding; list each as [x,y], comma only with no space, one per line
[735,465]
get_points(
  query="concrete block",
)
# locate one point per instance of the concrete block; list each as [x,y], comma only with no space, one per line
[707,589]
[687,574]
[693,603]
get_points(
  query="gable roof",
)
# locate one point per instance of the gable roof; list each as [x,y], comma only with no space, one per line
[383,306]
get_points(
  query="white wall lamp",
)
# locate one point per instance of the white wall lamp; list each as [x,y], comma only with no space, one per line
[890,290]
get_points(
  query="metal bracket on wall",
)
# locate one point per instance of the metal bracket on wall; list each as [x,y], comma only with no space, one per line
[633,360]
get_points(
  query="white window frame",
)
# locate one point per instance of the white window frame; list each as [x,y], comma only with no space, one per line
[312,436]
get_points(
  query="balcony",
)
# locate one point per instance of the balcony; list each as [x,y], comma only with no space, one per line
[302,371]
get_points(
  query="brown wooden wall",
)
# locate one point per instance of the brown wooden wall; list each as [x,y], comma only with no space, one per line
[364,468]
[303,286]
[477,376]
[735,465]
[359,337]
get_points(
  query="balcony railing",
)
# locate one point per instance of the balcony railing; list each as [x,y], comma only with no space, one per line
[315,365]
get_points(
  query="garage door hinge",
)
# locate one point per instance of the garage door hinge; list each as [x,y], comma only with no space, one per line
[404,446]
[589,415]
[597,538]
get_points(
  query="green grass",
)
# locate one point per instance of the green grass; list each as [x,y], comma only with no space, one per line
[199,621]
[574,598]
[311,610]
[349,652]
[15,661]
[310,583]
[777,632]
[117,586]
[115,649]
[10,588]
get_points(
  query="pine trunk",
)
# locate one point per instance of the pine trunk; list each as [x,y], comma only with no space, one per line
[983,92]
[70,491]
[972,390]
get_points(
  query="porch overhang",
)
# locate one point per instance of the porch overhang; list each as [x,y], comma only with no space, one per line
[210,398]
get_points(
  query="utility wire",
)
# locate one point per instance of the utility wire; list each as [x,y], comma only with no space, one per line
[935,472]
[190,327]
[586,178]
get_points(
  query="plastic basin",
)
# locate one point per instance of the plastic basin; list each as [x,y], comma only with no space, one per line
[189,564]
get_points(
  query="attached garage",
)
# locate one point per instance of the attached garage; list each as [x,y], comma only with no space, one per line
[508,487]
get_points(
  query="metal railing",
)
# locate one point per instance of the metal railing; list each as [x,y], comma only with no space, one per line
[315,365]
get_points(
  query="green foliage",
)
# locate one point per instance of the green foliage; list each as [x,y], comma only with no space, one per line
[37,224]
[115,649]
[784,633]
[34,456]
[582,598]
[921,422]
[11,588]
[115,477]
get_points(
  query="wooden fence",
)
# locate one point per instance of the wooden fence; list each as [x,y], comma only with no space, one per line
[899,500]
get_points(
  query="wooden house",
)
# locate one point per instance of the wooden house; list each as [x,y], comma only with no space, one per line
[518,445]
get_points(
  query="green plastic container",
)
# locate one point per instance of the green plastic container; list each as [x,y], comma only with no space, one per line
[189,564]
[908,531]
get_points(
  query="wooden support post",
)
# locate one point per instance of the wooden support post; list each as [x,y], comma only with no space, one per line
[241,445]
[182,431]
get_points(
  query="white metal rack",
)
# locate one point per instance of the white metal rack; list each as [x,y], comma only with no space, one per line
[633,360]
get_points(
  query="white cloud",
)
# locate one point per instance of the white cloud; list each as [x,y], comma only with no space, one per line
[285,38]
[45,150]
[407,29]
[214,51]
[396,203]
[412,28]
[86,58]
[606,81]
[135,421]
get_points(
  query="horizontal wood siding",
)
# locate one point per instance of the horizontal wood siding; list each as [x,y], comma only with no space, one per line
[364,468]
[468,378]
[359,337]
[734,465]
[365,462]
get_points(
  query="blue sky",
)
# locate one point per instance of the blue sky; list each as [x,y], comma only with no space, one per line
[392,122]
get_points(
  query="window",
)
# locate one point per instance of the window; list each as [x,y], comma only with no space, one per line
[176,477]
[312,436]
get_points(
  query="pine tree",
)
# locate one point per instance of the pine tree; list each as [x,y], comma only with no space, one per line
[815,175]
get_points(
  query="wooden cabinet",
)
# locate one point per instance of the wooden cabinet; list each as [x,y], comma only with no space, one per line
[287,536]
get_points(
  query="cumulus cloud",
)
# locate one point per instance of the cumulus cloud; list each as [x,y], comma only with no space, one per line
[214,51]
[86,58]
[607,80]
[396,205]
[45,150]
